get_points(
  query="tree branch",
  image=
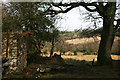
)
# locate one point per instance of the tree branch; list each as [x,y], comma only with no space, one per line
[118,24]
[71,6]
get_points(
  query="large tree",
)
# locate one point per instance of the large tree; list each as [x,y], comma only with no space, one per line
[23,17]
[107,11]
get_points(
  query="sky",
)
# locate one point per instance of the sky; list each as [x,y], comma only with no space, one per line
[73,20]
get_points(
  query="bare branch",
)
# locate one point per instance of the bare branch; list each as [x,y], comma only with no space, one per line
[71,6]
[118,24]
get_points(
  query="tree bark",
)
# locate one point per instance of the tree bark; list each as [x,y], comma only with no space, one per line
[51,52]
[107,36]
[60,54]
[107,39]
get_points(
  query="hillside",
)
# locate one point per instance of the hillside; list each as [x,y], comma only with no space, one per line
[82,40]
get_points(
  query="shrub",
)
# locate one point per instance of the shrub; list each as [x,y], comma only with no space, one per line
[45,52]
[84,53]
[31,58]
[63,52]
[75,52]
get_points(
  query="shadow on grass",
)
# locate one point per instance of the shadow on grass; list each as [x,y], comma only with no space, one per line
[72,69]
[79,63]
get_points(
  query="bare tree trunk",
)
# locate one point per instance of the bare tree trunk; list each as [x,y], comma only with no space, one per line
[51,52]
[60,54]
[107,38]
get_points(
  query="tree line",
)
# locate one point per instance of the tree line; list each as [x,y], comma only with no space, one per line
[29,20]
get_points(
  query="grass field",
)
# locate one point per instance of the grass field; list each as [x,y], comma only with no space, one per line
[88,57]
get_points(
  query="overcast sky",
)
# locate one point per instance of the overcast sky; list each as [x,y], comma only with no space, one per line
[74,20]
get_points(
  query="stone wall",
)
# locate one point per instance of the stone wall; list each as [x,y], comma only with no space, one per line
[17,52]
[22,54]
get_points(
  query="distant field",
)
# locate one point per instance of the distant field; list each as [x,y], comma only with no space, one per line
[82,40]
[88,57]
[80,56]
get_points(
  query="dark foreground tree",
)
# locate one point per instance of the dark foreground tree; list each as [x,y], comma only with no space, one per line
[107,12]
[26,17]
